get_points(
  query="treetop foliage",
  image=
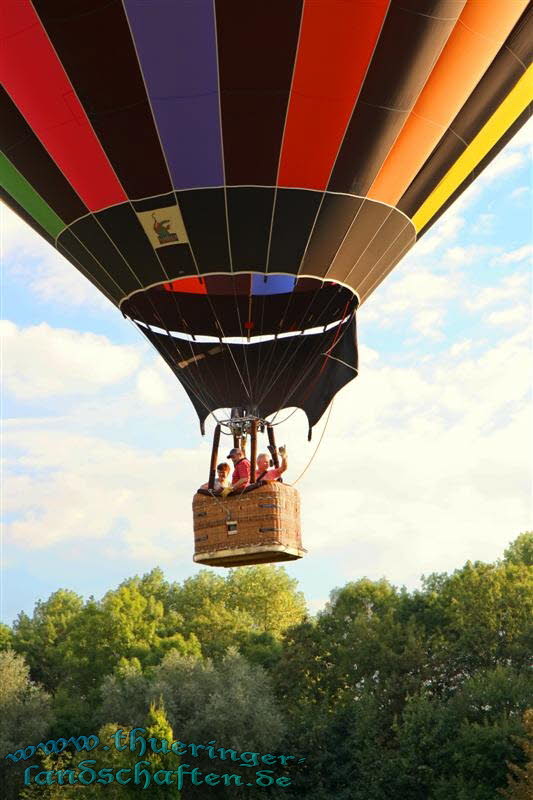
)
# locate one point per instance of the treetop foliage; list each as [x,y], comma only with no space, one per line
[417,694]
[521,550]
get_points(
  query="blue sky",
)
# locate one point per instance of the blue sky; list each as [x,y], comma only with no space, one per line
[424,463]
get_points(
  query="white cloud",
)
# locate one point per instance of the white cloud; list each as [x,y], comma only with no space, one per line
[423,468]
[521,254]
[520,192]
[511,289]
[419,288]
[367,355]
[464,255]
[57,281]
[523,139]
[82,489]
[484,224]
[429,323]
[420,468]
[507,161]
[445,231]
[28,258]
[418,298]
[154,387]
[510,317]
[41,361]
[13,229]
[461,348]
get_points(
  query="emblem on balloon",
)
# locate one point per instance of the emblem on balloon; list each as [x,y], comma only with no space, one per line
[163,226]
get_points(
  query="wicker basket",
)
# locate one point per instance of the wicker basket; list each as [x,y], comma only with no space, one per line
[255,527]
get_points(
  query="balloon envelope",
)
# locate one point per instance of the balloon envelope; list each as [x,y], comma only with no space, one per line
[252,171]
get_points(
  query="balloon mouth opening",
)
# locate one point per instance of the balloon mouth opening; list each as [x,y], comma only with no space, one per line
[245,340]
[241,308]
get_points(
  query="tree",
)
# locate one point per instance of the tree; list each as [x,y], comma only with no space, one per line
[6,637]
[54,791]
[364,639]
[231,701]
[457,746]
[435,681]
[520,778]
[25,716]
[201,602]
[125,694]
[263,649]
[481,616]
[520,551]
[152,584]
[42,639]
[107,756]
[25,708]
[386,693]
[123,625]
[268,595]
[347,751]
[238,608]
[156,725]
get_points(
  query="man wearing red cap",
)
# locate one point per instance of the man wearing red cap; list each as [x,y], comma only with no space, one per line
[241,472]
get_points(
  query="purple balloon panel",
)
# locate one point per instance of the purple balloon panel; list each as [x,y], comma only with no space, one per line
[176,46]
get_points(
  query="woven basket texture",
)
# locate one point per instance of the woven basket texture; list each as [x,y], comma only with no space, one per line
[269,515]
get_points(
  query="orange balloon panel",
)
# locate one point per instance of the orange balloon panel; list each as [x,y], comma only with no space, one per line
[472,46]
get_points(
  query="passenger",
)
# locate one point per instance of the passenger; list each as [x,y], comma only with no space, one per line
[222,479]
[267,473]
[241,474]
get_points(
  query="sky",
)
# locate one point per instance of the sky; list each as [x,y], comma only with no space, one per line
[425,462]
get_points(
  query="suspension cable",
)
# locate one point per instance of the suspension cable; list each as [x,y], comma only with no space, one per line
[317,447]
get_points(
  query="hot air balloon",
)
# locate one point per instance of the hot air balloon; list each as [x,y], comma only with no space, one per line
[237,176]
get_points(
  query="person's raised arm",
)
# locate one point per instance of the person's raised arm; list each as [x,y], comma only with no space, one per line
[284,459]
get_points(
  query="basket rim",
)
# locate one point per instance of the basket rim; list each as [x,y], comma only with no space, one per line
[235,552]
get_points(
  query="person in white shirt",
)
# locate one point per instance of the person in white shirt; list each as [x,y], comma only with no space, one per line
[222,479]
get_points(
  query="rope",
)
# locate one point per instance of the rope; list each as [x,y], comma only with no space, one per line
[293,483]
[269,383]
[227,513]
[274,424]
[295,385]
[316,448]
